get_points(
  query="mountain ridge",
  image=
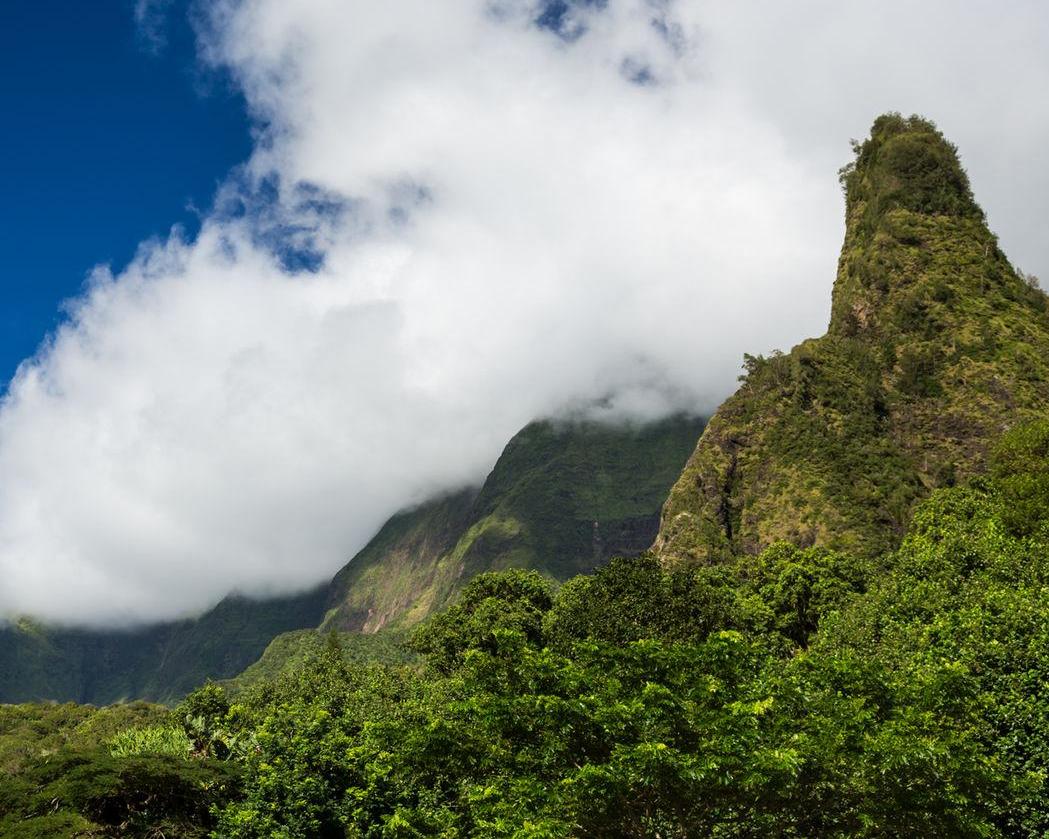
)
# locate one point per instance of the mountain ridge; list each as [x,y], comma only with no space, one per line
[160,662]
[562,498]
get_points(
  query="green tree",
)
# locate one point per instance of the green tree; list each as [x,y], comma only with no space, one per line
[1020,468]
[513,599]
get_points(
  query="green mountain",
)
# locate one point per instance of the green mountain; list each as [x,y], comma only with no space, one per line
[562,499]
[161,662]
[936,345]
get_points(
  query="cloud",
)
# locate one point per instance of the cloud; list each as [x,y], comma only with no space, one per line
[460,216]
[151,22]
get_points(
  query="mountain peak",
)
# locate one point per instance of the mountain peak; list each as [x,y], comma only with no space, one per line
[907,197]
[935,346]
[906,163]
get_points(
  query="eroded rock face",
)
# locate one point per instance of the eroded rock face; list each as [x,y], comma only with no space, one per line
[935,346]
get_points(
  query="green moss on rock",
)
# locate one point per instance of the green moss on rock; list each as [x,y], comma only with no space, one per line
[936,345]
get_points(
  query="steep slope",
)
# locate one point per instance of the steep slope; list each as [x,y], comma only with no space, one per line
[935,346]
[402,568]
[562,499]
[225,640]
[161,662]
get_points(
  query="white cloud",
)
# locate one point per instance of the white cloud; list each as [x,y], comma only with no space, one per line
[509,225]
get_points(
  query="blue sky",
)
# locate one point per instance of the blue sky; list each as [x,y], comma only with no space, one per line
[108,140]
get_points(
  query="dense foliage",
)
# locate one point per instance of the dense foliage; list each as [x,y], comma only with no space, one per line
[797,693]
[124,771]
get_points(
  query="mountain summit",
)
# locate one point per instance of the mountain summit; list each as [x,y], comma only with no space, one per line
[936,344]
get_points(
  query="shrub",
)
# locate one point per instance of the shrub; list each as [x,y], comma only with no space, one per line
[202,715]
[156,740]
[1020,468]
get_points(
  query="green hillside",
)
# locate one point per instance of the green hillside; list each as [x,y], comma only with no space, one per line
[795,693]
[936,345]
[562,498]
[160,663]
[290,652]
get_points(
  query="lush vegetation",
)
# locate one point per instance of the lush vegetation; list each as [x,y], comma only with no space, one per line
[797,693]
[292,650]
[126,770]
[800,692]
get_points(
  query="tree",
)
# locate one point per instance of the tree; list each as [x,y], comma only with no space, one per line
[1020,469]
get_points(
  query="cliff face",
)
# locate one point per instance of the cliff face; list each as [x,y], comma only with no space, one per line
[562,499]
[935,346]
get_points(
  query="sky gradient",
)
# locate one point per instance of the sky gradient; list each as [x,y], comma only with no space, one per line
[110,138]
